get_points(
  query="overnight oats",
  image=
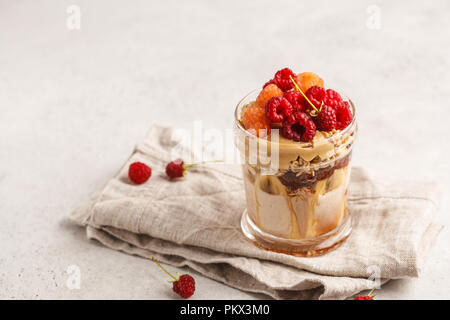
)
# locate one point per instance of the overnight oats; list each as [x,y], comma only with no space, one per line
[295,138]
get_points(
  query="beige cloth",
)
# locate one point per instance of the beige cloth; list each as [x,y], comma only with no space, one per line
[196,222]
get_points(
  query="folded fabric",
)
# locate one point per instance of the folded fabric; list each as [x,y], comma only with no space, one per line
[195,221]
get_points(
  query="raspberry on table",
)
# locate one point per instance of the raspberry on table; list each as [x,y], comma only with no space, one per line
[295,98]
[368,297]
[278,108]
[316,95]
[139,172]
[306,80]
[185,286]
[266,94]
[363,298]
[175,169]
[254,118]
[178,168]
[326,120]
[344,115]
[299,127]
[283,80]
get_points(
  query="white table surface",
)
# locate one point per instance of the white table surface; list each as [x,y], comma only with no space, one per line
[74,102]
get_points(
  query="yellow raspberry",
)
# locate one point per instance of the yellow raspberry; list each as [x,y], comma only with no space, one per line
[306,80]
[254,118]
[266,94]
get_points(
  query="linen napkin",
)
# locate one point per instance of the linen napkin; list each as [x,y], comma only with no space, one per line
[195,222]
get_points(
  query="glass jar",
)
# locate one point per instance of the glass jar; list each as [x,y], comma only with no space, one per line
[296,192]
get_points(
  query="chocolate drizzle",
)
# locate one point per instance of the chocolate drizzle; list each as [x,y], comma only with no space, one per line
[295,180]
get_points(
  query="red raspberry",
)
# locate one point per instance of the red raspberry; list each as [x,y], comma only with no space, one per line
[175,169]
[299,127]
[316,95]
[363,298]
[326,120]
[332,98]
[368,297]
[139,172]
[282,79]
[295,98]
[344,115]
[271,81]
[278,108]
[185,286]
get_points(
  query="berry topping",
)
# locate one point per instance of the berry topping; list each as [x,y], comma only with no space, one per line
[344,115]
[316,95]
[184,285]
[306,80]
[278,108]
[175,169]
[299,127]
[295,98]
[300,104]
[332,98]
[282,79]
[271,81]
[326,120]
[254,119]
[139,172]
[266,94]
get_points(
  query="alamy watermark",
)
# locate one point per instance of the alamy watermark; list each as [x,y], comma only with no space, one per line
[230,146]
[73,21]
[373,21]
[73,281]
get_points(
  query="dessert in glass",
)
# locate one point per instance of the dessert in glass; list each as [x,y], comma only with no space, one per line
[295,139]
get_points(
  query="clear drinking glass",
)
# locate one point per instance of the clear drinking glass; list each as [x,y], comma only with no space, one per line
[296,192]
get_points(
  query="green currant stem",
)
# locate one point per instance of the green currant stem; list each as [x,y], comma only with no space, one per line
[186,167]
[154,260]
[298,88]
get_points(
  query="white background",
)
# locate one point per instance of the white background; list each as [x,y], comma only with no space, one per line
[74,102]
